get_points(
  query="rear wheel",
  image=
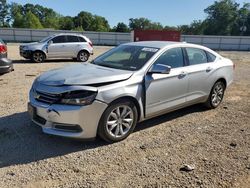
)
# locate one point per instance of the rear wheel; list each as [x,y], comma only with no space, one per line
[83,56]
[216,95]
[38,57]
[118,121]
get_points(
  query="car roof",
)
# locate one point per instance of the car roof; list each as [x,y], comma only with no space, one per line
[153,44]
[73,34]
[163,44]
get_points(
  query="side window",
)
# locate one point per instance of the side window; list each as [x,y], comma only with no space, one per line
[59,39]
[72,38]
[172,57]
[81,39]
[210,57]
[196,56]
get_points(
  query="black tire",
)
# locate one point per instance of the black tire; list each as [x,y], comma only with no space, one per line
[83,56]
[38,57]
[105,130]
[216,95]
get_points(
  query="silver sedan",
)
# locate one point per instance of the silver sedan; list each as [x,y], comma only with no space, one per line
[126,85]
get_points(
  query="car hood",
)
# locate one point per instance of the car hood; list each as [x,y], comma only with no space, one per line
[29,44]
[83,74]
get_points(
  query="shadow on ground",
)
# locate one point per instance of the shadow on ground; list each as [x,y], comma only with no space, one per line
[23,142]
[26,61]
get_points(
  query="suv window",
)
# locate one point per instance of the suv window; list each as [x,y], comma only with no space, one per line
[72,38]
[59,39]
[196,56]
[210,57]
[172,57]
[81,39]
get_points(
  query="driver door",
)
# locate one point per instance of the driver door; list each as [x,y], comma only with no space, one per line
[57,47]
[167,91]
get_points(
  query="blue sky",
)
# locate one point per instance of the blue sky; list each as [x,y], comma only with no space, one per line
[167,12]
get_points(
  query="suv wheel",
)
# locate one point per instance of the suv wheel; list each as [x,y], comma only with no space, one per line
[38,57]
[118,121]
[216,95]
[83,56]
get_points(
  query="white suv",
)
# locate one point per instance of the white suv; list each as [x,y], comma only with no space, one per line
[74,46]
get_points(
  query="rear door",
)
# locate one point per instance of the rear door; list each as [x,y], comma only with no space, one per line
[201,72]
[167,91]
[72,46]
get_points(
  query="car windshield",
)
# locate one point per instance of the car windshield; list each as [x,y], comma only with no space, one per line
[45,39]
[126,57]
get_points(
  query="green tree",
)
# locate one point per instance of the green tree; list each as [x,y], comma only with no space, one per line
[144,23]
[18,21]
[139,23]
[17,15]
[121,27]
[90,22]
[172,28]
[156,26]
[66,23]
[84,20]
[222,16]
[4,14]
[79,28]
[242,25]
[31,21]
[100,24]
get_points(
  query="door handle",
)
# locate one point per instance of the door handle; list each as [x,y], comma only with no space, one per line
[209,69]
[183,74]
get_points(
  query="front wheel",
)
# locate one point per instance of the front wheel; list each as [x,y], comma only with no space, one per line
[216,95]
[83,56]
[38,57]
[118,121]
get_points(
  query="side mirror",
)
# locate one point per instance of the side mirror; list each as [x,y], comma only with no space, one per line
[160,69]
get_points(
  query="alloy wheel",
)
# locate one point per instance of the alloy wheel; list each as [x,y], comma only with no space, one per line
[83,56]
[217,94]
[120,121]
[38,57]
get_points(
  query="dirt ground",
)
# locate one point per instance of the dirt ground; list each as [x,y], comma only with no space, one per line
[215,142]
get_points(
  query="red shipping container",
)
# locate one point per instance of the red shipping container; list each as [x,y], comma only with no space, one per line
[156,35]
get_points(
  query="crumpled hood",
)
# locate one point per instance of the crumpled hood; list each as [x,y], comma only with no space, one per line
[29,44]
[82,74]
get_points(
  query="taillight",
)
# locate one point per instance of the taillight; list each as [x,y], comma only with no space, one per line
[234,66]
[3,48]
[90,43]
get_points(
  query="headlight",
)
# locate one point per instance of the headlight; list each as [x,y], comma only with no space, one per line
[79,98]
[24,47]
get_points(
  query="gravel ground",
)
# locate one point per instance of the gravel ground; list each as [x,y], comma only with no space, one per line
[216,143]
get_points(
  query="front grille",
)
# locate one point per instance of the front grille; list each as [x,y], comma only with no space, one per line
[47,97]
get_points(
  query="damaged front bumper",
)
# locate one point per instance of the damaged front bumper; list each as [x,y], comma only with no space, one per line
[80,122]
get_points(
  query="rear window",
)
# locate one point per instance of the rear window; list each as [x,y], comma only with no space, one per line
[210,57]
[81,39]
[196,56]
[72,38]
